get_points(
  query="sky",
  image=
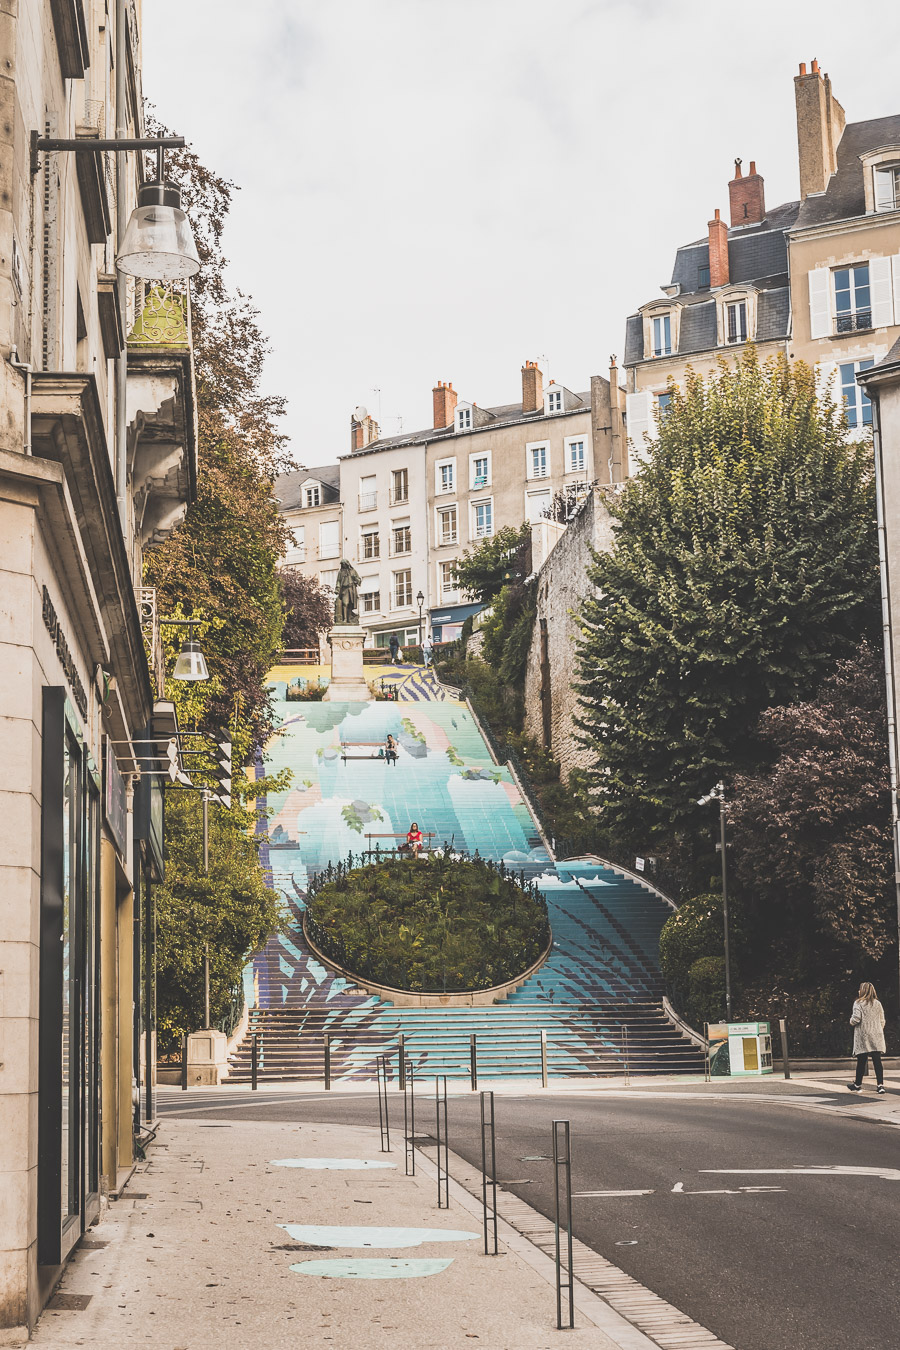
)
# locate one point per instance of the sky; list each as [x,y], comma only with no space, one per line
[443,189]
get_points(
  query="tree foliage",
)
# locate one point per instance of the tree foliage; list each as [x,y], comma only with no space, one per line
[308,609]
[505,557]
[812,836]
[745,562]
[231,911]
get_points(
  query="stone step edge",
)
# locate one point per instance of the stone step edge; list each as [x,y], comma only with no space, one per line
[662,1326]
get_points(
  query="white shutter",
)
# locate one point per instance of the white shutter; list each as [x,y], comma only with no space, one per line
[884,190]
[638,414]
[820,302]
[882,292]
[827,385]
[895,266]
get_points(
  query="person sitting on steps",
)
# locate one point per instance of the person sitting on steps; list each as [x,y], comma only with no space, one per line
[390,750]
[414,840]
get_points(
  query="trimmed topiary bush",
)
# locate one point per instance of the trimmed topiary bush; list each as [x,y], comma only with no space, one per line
[436,924]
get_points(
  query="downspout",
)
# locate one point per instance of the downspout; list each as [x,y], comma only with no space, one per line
[122,361]
[889,674]
[27,370]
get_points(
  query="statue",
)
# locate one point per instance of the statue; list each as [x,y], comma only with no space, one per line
[346,594]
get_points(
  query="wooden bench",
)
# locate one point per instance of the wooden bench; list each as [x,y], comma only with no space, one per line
[352,745]
[383,852]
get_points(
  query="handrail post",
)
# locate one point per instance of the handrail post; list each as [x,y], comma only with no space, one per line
[562,1164]
[184,1054]
[327,1062]
[473,1062]
[785,1059]
[707,1068]
[543,1058]
[254,1061]
[401,1062]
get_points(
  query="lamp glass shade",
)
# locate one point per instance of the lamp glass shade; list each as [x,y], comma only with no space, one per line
[191,663]
[158,243]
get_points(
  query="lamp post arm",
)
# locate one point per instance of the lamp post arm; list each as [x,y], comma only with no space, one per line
[89,144]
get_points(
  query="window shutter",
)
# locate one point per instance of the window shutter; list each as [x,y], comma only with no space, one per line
[827,385]
[638,411]
[884,190]
[820,302]
[882,292]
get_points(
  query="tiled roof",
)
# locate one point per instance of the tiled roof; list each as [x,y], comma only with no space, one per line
[845,196]
[288,486]
[773,318]
[698,328]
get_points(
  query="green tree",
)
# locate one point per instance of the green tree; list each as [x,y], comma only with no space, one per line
[230,912]
[745,563]
[505,557]
[308,609]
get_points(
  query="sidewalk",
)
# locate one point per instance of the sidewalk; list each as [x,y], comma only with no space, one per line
[193,1256]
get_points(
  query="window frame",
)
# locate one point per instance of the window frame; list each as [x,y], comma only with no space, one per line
[446,592]
[553,395]
[365,534]
[732,309]
[475,533]
[396,603]
[364,595]
[368,499]
[314,491]
[463,419]
[474,485]
[571,441]
[439,489]
[531,448]
[664,317]
[856,414]
[856,312]
[546,492]
[395,498]
[440,512]
[401,527]
[326,524]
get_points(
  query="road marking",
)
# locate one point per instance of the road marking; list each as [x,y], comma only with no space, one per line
[583,1195]
[886,1173]
[679,1186]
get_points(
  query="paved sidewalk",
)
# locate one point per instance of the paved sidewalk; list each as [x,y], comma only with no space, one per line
[193,1256]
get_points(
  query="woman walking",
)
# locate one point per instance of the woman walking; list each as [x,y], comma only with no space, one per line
[867,1020]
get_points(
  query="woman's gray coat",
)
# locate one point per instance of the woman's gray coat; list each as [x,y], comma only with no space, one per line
[867,1020]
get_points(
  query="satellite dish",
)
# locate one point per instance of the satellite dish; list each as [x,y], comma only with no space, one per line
[360,414]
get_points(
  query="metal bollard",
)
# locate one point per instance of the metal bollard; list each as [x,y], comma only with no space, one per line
[543,1059]
[443,1151]
[401,1062]
[625,1055]
[488,1133]
[327,1062]
[184,1043]
[409,1119]
[473,1062]
[785,1058]
[254,1062]
[707,1072]
[562,1165]
[384,1121]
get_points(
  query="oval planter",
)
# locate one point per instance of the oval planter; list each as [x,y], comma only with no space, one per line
[412,998]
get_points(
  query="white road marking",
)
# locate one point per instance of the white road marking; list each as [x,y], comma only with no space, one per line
[679,1186]
[588,1194]
[886,1173]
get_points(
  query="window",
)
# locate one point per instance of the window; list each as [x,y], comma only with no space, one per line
[703,278]
[402,589]
[887,188]
[852,298]
[554,400]
[371,544]
[368,496]
[483,518]
[662,335]
[663,403]
[371,597]
[313,496]
[480,470]
[538,461]
[575,453]
[464,419]
[857,403]
[447,525]
[445,476]
[298,535]
[447,584]
[329,539]
[399,486]
[736,321]
[328,580]
[537,504]
[401,539]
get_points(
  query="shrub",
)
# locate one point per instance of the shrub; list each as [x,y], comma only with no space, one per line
[432,924]
[305,691]
[705,1001]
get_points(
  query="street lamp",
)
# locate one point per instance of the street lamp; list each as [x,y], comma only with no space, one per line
[158,243]
[718,794]
[420,600]
[190,663]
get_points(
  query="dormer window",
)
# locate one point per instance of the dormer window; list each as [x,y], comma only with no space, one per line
[736,321]
[887,187]
[661,329]
[313,496]
[554,401]
[464,419]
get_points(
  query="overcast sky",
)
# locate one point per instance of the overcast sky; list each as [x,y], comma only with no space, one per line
[442,189]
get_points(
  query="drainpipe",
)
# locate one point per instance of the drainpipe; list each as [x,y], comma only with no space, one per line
[28,370]
[122,362]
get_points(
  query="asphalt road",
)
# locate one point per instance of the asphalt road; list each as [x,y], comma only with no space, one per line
[808,1265]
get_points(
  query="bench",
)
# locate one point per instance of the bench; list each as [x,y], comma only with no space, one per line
[352,745]
[383,852]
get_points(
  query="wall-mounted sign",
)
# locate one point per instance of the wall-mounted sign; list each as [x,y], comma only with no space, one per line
[66,660]
[115,805]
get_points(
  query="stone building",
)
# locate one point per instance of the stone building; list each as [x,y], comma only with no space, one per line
[817,278]
[97,464]
[551,701]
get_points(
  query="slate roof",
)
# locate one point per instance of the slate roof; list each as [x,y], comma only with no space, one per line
[288,486]
[845,195]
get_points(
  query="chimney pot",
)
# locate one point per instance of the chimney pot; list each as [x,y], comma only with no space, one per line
[802,67]
[814,68]
[737,168]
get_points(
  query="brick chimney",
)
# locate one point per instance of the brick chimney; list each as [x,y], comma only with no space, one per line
[718,252]
[746,196]
[444,397]
[363,431]
[820,125]
[532,387]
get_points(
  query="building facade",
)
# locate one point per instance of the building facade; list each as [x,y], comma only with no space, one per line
[410,505]
[817,278]
[94,469]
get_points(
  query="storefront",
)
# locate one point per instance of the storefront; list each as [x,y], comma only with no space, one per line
[446,623]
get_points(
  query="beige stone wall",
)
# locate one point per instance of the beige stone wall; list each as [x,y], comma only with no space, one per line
[562,585]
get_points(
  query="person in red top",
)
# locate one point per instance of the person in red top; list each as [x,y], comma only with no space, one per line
[414,839]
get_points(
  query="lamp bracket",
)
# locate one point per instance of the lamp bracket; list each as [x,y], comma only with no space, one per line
[91,144]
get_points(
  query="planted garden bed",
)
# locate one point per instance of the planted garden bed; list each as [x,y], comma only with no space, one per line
[433,925]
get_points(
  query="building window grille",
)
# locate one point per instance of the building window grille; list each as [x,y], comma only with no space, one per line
[852,298]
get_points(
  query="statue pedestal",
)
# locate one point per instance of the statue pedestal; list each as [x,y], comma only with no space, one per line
[348,682]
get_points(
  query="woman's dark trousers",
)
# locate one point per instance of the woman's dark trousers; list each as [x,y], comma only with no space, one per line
[861,1068]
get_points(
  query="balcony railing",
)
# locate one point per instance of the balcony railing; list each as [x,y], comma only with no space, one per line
[371,551]
[368,501]
[297,553]
[448,537]
[398,496]
[853,323]
[402,549]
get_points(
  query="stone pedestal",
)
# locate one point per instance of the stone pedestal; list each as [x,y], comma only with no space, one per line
[207,1058]
[348,682]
